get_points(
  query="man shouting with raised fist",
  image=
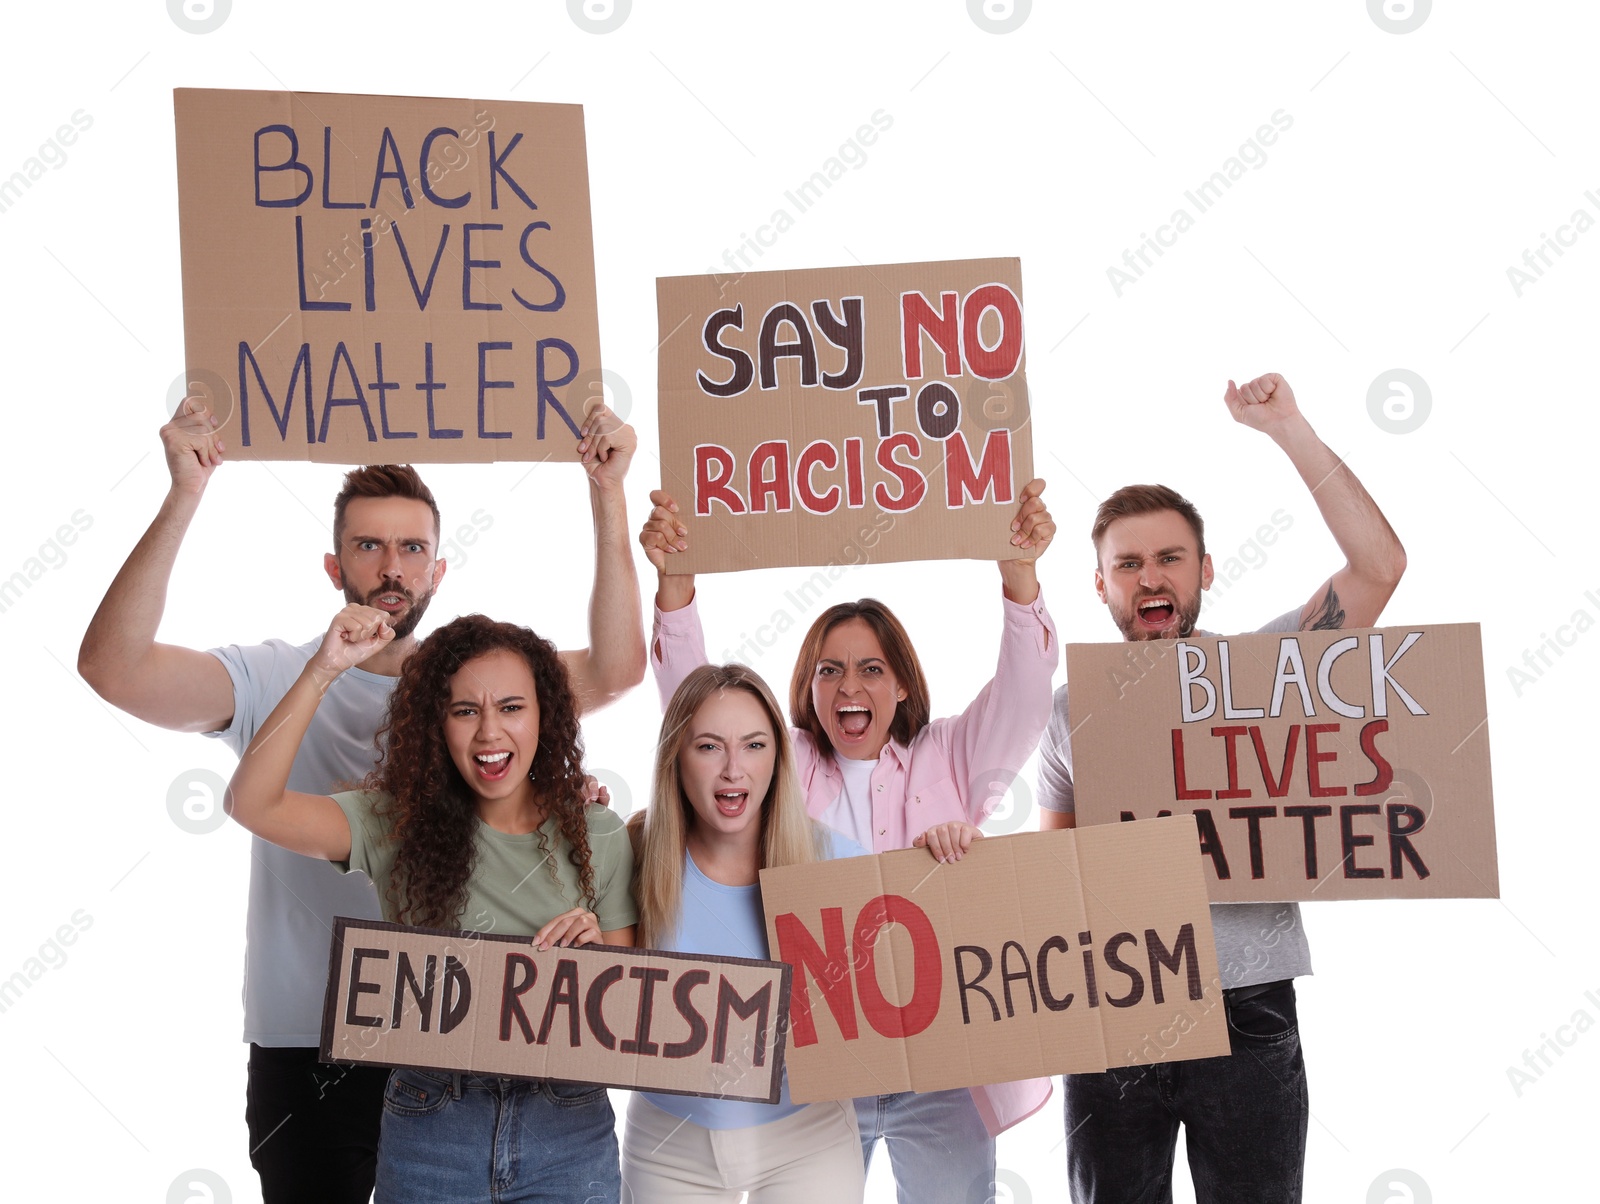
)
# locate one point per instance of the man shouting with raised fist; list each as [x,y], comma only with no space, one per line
[1246,1114]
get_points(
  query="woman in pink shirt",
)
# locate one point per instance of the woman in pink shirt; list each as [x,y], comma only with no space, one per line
[876,768]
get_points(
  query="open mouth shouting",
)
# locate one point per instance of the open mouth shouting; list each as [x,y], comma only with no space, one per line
[1156,613]
[492,766]
[853,720]
[732,803]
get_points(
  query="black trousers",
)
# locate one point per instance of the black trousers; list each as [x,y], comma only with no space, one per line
[313,1127]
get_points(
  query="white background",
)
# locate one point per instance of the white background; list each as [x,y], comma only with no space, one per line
[1377,235]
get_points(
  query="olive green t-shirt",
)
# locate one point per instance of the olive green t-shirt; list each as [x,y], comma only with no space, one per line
[511,890]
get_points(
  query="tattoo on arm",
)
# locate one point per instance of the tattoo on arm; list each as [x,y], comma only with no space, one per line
[1329,616]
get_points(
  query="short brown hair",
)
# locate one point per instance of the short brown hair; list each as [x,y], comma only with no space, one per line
[381,480]
[910,717]
[1146,499]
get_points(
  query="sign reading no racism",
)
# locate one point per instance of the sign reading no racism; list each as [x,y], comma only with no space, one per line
[372,279]
[1037,954]
[641,1019]
[845,415]
[1318,765]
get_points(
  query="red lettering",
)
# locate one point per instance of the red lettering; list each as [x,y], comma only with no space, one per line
[1384,772]
[1231,735]
[1279,786]
[913,485]
[1314,758]
[918,316]
[963,481]
[999,361]
[1178,781]
[708,488]
[799,948]
[855,488]
[927,975]
[818,454]
[773,455]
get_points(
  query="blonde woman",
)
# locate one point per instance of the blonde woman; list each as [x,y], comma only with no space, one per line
[727,804]
[876,765]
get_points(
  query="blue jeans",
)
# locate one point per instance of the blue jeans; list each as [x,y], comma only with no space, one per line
[1246,1116]
[473,1140]
[938,1146]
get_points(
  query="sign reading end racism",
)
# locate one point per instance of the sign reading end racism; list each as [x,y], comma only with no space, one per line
[1036,954]
[1317,765]
[845,415]
[641,1019]
[372,279]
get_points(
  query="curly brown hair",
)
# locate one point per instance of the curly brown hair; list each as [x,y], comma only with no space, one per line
[432,812]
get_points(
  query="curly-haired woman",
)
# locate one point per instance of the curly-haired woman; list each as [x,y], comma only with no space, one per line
[725,806]
[474,819]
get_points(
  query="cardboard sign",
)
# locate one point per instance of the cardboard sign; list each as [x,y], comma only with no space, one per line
[1036,954]
[845,415]
[1318,765]
[375,279]
[636,1018]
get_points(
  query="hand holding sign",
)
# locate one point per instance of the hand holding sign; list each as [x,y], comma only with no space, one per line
[1033,529]
[568,930]
[664,535]
[355,634]
[948,842]
[193,450]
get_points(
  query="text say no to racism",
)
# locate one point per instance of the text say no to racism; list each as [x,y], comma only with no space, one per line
[918,431]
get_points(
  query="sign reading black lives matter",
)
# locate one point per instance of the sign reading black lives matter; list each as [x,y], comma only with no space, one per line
[845,415]
[375,279]
[641,1019]
[1317,765]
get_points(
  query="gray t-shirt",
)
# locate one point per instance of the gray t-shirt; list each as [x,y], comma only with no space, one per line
[1256,942]
[293,899]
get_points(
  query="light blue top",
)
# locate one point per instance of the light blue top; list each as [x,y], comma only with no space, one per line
[727,920]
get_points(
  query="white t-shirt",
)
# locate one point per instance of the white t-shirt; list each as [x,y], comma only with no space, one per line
[293,899]
[851,812]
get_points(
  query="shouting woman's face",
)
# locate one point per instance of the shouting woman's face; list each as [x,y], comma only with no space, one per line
[854,691]
[726,762]
[491,724]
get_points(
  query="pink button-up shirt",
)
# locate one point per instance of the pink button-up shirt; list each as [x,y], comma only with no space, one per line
[944,774]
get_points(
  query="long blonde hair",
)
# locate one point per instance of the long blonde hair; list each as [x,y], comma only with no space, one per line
[788,835]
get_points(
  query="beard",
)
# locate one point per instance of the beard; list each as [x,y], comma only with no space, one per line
[1188,615]
[404,624]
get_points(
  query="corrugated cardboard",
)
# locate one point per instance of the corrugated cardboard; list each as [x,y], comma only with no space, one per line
[1077,951]
[1378,789]
[779,434]
[634,1018]
[347,301]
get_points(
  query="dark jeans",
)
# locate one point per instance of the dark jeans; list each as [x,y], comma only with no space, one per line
[313,1127]
[1246,1116]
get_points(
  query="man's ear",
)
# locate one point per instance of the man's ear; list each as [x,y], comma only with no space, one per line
[1207,575]
[439,567]
[330,565]
[1100,585]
